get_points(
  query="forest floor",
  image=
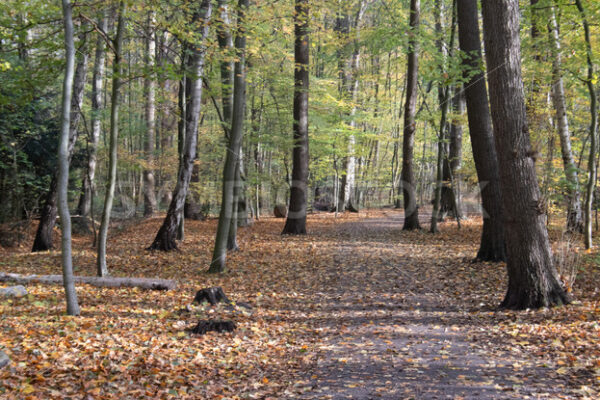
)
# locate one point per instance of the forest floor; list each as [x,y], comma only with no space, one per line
[356,309]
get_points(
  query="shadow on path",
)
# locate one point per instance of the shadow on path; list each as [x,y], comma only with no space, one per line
[388,338]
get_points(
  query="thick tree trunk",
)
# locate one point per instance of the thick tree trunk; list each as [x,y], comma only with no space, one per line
[532,278]
[150,205]
[43,238]
[411,210]
[492,246]
[102,269]
[63,160]
[142,283]
[296,218]
[85,201]
[219,258]
[574,214]
[165,239]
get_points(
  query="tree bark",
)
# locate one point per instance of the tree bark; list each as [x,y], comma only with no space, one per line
[101,266]
[165,239]
[43,238]
[492,246]
[532,278]
[85,201]
[63,160]
[296,218]
[218,263]
[150,205]
[411,209]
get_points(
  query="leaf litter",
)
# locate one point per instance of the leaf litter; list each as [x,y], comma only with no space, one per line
[355,309]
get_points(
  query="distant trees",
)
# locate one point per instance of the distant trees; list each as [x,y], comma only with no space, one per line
[165,239]
[381,133]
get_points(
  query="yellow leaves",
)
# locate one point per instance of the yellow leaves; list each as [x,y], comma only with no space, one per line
[562,371]
[27,389]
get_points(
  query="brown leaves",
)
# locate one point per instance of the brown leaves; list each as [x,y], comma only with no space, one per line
[130,343]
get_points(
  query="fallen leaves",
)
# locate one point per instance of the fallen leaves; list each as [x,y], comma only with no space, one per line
[133,344]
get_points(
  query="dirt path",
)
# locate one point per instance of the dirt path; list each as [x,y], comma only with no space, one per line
[390,333]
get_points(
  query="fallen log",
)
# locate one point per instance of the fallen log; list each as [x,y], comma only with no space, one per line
[142,283]
[13,291]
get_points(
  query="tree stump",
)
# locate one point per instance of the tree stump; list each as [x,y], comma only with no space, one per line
[205,326]
[280,211]
[213,296]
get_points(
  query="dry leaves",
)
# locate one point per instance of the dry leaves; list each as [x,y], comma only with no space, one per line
[132,344]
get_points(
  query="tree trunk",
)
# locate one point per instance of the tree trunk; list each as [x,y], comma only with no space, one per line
[592,168]
[574,215]
[232,157]
[43,238]
[452,164]
[296,218]
[63,160]
[411,209]
[85,201]
[532,278]
[150,205]
[444,99]
[101,266]
[165,239]
[492,246]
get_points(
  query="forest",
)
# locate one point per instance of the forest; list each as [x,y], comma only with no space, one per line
[312,199]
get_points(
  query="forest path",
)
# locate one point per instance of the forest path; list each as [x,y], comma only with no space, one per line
[389,331]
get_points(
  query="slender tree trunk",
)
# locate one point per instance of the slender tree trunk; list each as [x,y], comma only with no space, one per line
[43,238]
[492,246]
[218,263]
[296,218]
[165,239]
[85,201]
[184,99]
[227,67]
[102,269]
[443,98]
[411,209]
[150,205]
[574,214]
[451,187]
[63,160]
[592,168]
[532,278]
